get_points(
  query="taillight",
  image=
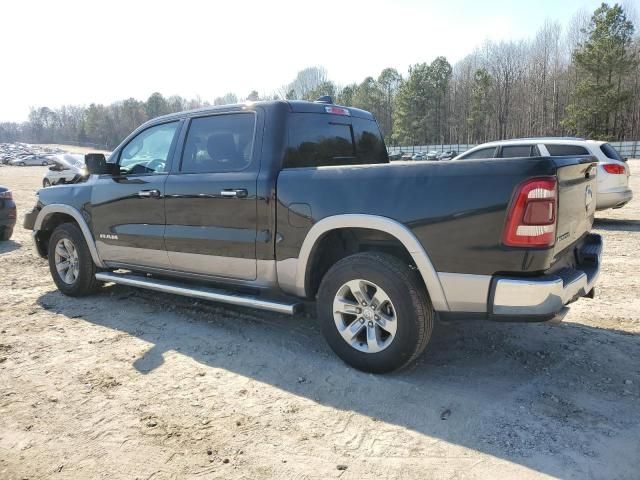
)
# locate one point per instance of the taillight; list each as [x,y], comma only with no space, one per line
[6,195]
[531,219]
[614,168]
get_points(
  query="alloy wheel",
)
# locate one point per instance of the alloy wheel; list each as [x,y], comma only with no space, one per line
[67,261]
[364,316]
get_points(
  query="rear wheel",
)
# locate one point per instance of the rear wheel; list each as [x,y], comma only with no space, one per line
[21,164]
[46,183]
[374,312]
[44,163]
[70,262]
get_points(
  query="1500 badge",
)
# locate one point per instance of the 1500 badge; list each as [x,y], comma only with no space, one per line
[108,236]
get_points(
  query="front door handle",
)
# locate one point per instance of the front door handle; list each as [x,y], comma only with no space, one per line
[149,193]
[234,192]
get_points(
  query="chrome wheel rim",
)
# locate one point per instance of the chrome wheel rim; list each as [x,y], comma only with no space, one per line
[364,316]
[67,261]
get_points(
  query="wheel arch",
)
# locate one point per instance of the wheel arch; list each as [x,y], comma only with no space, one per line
[53,215]
[388,226]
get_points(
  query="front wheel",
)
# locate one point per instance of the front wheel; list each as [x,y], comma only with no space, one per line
[374,312]
[46,183]
[70,262]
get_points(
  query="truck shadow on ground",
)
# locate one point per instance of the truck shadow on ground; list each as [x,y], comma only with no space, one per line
[614,224]
[537,395]
[9,246]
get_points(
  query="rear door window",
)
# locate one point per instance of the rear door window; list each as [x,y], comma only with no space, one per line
[219,143]
[479,154]
[318,140]
[557,150]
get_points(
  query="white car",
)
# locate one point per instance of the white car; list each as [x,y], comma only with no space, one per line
[30,160]
[613,173]
[66,168]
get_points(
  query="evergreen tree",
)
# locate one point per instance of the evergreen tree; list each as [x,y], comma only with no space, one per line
[602,63]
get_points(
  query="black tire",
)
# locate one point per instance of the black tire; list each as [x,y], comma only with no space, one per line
[85,283]
[414,314]
[5,233]
[46,183]
[21,164]
[44,163]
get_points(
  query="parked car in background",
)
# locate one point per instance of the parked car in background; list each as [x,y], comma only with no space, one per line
[8,213]
[396,156]
[67,168]
[432,155]
[407,156]
[448,155]
[30,160]
[612,190]
[418,156]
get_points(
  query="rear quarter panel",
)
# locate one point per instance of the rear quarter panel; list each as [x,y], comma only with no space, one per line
[456,209]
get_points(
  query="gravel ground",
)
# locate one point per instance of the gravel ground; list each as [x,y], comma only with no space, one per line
[132,384]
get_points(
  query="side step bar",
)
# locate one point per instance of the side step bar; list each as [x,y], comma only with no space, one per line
[203,293]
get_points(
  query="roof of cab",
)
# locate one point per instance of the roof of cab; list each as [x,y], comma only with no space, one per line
[299,106]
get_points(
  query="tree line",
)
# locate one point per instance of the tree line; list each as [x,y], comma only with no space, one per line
[582,79]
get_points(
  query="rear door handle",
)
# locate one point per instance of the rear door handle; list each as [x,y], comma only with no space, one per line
[234,192]
[149,193]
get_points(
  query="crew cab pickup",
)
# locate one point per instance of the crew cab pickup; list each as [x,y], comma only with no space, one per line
[267,204]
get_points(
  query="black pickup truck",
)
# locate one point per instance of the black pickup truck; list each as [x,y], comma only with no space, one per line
[269,203]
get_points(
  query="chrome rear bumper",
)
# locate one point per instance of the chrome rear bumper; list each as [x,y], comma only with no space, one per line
[543,297]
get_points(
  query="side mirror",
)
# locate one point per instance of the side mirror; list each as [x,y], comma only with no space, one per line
[97,164]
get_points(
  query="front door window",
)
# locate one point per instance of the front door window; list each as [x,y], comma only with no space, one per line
[148,152]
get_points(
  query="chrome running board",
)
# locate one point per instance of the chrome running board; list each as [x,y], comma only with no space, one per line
[204,293]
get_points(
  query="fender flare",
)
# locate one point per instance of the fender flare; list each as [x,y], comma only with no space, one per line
[373,222]
[77,216]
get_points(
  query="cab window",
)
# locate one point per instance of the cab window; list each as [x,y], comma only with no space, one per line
[319,139]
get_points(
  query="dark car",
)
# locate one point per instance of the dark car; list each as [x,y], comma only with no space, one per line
[395,156]
[8,213]
[447,155]
[271,203]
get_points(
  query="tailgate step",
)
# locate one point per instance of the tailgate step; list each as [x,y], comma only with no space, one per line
[204,293]
[591,250]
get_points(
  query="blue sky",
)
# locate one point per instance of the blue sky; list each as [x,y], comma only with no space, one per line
[78,52]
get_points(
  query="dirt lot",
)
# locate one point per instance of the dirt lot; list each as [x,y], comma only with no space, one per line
[133,384]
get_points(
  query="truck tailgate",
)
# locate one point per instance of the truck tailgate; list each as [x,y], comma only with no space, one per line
[576,200]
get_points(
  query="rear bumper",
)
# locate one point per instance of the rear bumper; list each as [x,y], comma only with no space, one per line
[613,199]
[544,297]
